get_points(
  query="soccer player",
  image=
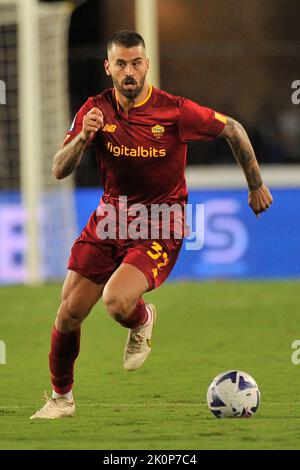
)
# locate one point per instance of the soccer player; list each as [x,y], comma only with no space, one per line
[140,134]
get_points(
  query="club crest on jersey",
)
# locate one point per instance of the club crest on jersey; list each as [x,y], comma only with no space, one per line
[158,131]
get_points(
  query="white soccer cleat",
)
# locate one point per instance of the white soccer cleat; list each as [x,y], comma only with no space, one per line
[56,408]
[138,344]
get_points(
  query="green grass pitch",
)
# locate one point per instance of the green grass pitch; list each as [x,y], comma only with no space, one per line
[202,329]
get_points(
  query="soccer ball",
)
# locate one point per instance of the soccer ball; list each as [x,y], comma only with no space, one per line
[233,394]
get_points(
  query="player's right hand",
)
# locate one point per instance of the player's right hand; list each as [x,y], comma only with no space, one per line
[260,199]
[92,122]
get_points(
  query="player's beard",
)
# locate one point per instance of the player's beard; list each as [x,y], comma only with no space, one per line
[129,93]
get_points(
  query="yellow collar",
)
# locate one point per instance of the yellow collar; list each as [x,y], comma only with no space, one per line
[146,99]
[139,104]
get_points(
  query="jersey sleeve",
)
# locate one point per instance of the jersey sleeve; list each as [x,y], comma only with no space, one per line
[199,123]
[76,125]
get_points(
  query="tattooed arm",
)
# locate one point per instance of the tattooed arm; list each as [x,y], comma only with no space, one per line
[69,156]
[260,198]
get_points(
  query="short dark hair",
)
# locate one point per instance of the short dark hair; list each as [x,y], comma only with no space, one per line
[126,38]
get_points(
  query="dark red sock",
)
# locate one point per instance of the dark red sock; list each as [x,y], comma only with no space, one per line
[137,317]
[64,350]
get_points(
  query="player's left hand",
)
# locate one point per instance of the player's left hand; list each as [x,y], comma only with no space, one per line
[260,199]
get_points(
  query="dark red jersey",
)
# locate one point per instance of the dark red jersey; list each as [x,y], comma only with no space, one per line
[142,155]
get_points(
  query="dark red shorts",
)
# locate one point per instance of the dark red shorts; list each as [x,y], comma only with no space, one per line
[97,259]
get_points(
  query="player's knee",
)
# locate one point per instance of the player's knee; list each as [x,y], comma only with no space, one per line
[116,304]
[70,314]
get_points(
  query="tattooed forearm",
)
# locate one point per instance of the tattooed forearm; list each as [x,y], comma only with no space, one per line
[254,178]
[243,151]
[68,158]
